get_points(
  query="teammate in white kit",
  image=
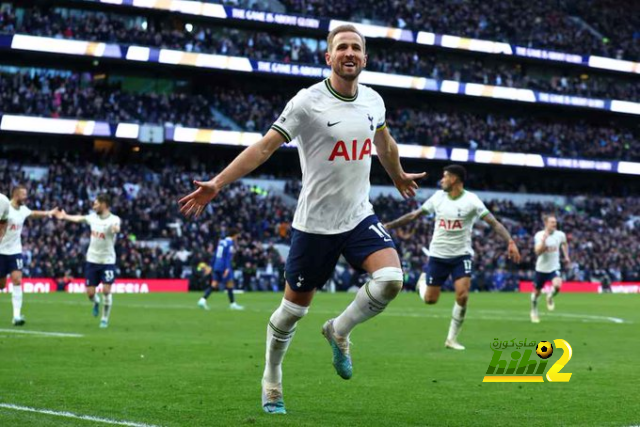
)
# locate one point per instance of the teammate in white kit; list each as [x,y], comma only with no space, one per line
[548,244]
[101,255]
[4,214]
[336,123]
[11,260]
[451,252]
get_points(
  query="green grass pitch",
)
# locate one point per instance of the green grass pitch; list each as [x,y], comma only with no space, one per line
[164,362]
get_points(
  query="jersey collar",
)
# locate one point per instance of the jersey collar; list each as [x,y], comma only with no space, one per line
[335,93]
[456,198]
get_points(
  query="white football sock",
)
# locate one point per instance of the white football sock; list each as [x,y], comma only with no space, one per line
[16,300]
[280,332]
[534,302]
[457,318]
[95,299]
[371,300]
[422,286]
[106,307]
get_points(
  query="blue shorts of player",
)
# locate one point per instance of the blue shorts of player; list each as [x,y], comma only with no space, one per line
[221,278]
[439,269]
[542,278]
[99,273]
[313,257]
[10,263]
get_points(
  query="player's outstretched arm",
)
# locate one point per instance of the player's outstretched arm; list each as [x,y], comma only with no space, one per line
[565,250]
[44,214]
[404,219]
[513,253]
[61,214]
[245,163]
[387,150]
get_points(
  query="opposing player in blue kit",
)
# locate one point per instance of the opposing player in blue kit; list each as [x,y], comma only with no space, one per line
[222,270]
[101,255]
[451,252]
[336,124]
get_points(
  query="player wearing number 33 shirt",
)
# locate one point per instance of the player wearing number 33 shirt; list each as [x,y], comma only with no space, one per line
[337,125]
[101,255]
[451,252]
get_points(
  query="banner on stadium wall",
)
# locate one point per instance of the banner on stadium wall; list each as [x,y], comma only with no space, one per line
[121,286]
[588,287]
[218,11]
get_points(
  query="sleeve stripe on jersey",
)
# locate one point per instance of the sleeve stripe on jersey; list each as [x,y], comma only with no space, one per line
[282,132]
[381,126]
[485,213]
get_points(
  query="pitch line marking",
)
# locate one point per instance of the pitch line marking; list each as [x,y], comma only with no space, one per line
[46,334]
[76,416]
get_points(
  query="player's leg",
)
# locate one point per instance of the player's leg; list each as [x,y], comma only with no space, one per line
[538,283]
[92,277]
[461,286]
[370,248]
[233,305]
[16,297]
[556,283]
[202,302]
[309,265]
[435,276]
[107,296]
[107,278]
[280,332]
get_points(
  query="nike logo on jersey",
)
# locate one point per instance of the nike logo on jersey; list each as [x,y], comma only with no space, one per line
[332,124]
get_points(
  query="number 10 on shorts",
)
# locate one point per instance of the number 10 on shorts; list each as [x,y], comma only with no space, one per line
[380,231]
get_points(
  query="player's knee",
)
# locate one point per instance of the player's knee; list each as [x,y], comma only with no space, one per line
[290,311]
[462,298]
[391,279]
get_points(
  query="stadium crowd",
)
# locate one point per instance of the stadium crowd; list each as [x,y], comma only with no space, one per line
[157,242]
[538,23]
[402,59]
[71,95]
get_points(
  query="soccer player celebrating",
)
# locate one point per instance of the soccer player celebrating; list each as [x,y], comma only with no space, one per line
[222,270]
[11,261]
[451,253]
[101,255]
[336,122]
[548,244]
[4,214]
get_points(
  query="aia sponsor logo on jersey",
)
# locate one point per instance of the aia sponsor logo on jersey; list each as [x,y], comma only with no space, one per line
[355,153]
[98,235]
[449,224]
[14,227]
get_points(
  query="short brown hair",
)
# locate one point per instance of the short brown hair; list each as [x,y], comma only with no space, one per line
[17,188]
[104,198]
[347,28]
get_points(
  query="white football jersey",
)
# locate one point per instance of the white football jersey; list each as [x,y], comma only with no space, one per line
[335,141]
[12,242]
[453,223]
[102,247]
[549,260]
[4,207]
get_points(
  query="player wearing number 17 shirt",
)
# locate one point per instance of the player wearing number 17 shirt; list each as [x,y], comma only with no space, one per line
[100,267]
[336,123]
[451,252]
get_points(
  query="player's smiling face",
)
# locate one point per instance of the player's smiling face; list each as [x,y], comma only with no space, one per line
[447,181]
[551,224]
[347,57]
[21,196]
[98,207]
